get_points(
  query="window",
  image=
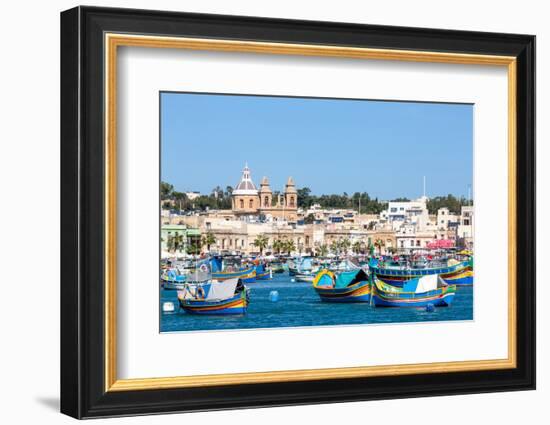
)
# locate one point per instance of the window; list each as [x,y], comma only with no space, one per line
[417,243]
[292,201]
[466,222]
[307,240]
[242,204]
[250,204]
[393,210]
[266,202]
[412,242]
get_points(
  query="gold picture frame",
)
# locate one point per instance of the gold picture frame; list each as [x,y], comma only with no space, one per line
[114,41]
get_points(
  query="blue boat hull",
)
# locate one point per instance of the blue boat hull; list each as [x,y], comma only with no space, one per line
[326,286]
[246,276]
[351,299]
[441,301]
[234,305]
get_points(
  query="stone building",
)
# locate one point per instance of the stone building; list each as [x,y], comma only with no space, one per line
[247,200]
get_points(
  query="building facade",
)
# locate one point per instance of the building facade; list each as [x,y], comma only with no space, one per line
[247,200]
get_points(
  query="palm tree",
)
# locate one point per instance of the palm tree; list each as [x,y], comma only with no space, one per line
[278,246]
[370,248]
[335,247]
[208,239]
[357,247]
[289,246]
[379,243]
[261,242]
[175,242]
[345,244]
[194,248]
[323,250]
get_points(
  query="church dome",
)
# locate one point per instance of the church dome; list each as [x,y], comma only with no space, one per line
[246,186]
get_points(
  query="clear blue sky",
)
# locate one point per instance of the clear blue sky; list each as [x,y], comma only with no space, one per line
[330,146]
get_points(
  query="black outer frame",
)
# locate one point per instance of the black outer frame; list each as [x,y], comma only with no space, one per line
[82,207]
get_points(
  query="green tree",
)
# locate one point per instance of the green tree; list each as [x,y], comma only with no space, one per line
[323,250]
[175,242]
[166,190]
[304,199]
[357,247]
[208,239]
[261,242]
[379,243]
[345,245]
[194,247]
[289,246]
[310,219]
[278,246]
[451,202]
[335,247]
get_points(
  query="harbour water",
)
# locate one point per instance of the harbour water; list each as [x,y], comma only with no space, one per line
[298,305]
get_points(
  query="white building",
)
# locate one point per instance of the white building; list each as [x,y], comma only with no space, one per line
[465,230]
[444,217]
[192,195]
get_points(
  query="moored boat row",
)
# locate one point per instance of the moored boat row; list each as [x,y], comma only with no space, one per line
[214,288]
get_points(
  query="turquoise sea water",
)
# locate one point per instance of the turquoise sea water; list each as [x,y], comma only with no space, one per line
[299,305]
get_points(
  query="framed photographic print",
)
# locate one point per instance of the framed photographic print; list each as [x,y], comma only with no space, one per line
[261,212]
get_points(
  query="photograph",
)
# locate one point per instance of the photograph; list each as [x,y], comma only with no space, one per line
[285,211]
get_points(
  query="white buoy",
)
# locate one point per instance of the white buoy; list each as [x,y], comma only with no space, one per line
[274,296]
[293,280]
[168,307]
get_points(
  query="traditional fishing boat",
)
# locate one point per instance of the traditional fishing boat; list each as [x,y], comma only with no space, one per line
[172,279]
[343,266]
[346,287]
[417,292]
[305,277]
[300,265]
[214,297]
[277,268]
[246,274]
[303,270]
[263,272]
[452,273]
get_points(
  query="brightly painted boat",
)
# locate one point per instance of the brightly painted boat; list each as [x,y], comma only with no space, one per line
[263,272]
[303,266]
[346,287]
[304,277]
[418,292]
[246,274]
[454,273]
[277,268]
[215,297]
[343,266]
[172,279]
